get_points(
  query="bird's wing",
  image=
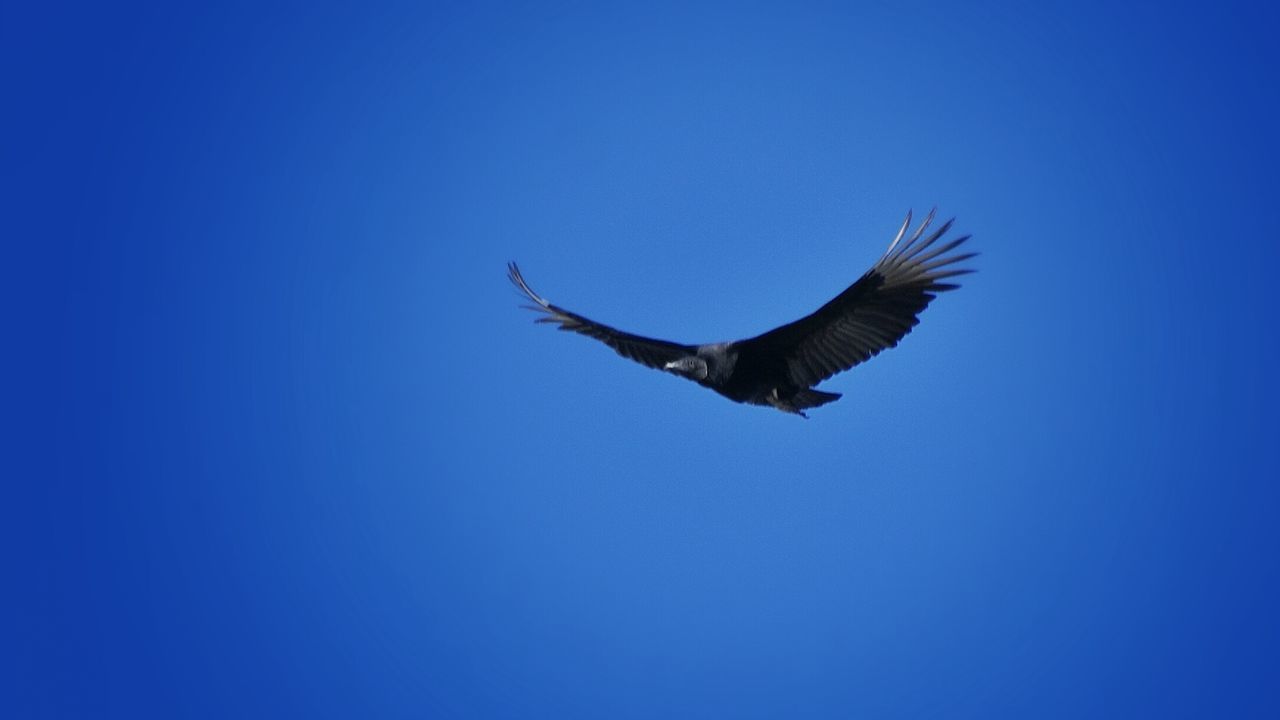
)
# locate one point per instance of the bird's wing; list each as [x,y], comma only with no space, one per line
[647,351]
[872,314]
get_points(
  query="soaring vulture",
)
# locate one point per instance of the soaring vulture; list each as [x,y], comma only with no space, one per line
[781,367]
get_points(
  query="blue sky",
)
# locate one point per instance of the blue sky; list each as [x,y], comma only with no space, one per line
[285,446]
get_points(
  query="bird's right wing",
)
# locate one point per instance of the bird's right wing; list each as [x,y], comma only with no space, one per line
[647,351]
[873,314]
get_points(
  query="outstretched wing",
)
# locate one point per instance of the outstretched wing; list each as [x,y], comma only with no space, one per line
[874,313]
[647,351]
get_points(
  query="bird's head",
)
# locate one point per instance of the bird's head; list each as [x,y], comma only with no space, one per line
[690,366]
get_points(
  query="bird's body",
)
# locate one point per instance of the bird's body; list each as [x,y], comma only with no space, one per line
[751,378]
[780,368]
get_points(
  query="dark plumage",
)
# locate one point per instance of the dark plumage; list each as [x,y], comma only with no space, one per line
[780,367]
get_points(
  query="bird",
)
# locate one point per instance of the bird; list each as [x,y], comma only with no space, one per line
[780,368]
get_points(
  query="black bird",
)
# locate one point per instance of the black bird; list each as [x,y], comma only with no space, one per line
[780,367]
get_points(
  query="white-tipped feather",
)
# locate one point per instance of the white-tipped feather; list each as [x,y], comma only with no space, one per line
[901,231]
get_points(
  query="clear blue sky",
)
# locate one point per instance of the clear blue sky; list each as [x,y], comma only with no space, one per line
[284,446]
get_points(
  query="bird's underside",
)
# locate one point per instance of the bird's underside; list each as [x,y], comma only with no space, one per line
[781,367]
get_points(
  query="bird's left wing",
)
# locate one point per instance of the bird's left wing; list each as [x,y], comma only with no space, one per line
[646,351]
[872,314]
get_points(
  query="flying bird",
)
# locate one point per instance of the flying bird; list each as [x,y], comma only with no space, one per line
[781,367]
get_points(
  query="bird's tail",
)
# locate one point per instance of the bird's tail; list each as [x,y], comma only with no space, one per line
[813,398]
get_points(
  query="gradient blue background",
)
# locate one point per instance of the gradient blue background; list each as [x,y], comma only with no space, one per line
[282,445]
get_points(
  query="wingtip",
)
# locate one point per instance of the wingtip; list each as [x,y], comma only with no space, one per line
[517,279]
[513,274]
[915,236]
[901,231]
